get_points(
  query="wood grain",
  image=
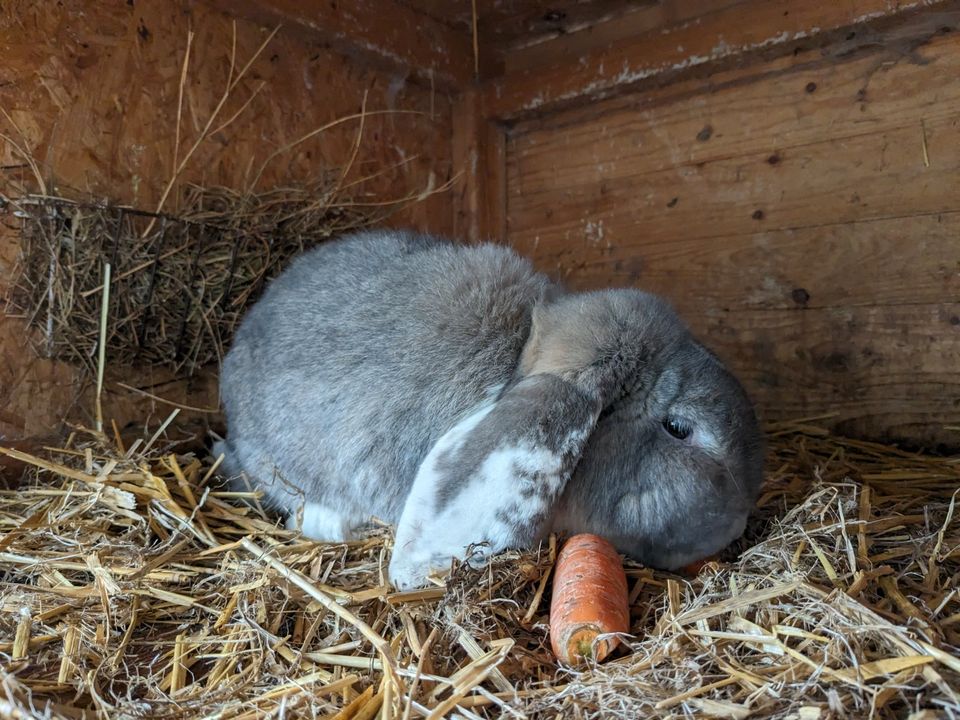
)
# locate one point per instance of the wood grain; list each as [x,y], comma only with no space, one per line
[722,37]
[888,372]
[802,215]
[519,35]
[908,260]
[505,23]
[581,33]
[786,103]
[382,31]
[871,176]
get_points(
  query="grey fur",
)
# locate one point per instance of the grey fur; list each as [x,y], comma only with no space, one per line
[361,355]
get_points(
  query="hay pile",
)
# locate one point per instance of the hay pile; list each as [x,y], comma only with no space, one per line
[132,588]
[180,283]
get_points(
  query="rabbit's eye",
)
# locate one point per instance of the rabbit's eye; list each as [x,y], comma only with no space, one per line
[680,429]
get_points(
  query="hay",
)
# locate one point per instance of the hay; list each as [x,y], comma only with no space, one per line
[133,588]
[180,283]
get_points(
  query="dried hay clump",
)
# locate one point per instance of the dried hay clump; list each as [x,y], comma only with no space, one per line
[180,283]
[133,588]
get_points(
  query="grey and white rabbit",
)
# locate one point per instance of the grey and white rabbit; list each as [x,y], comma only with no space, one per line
[454,391]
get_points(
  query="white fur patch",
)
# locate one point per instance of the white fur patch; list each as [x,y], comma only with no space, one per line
[427,538]
[706,440]
[319,523]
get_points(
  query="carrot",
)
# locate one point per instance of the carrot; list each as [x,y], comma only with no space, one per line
[589,599]
[694,568]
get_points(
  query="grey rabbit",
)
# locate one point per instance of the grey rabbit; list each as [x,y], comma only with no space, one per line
[455,392]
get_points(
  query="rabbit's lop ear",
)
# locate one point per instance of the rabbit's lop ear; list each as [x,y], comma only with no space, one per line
[596,341]
[494,477]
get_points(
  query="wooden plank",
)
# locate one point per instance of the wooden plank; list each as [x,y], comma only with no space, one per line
[381,31]
[466,146]
[725,36]
[889,372]
[877,175]
[878,262]
[479,155]
[791,103]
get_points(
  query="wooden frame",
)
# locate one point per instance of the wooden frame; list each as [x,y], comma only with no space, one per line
[479,149]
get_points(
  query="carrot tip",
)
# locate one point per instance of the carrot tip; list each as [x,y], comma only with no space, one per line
[590,599]
[582,645]
[695,568]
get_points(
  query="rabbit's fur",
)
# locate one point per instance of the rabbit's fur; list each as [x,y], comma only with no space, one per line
[454,391]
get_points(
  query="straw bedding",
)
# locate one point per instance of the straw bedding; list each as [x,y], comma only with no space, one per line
[132,587]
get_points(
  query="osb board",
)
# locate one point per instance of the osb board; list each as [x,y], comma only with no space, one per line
[381,33]
[803,216]
[93,86]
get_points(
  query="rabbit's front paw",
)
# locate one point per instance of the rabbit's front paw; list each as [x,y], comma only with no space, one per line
[410,571]
[318,522]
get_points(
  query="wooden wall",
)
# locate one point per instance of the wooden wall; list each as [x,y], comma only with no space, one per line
[786,171]
[802,213]
[90,88]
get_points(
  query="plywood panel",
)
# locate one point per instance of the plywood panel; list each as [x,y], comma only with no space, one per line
[803,216]
[93,85]
[382,32]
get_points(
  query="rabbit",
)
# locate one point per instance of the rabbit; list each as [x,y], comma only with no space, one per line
[457,393]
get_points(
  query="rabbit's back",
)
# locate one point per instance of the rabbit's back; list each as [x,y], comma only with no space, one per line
[360,355]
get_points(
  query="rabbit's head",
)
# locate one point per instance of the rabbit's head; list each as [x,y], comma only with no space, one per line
[673,466]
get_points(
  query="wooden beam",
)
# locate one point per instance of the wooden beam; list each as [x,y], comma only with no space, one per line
[583,36]
[383,32]
[760,28]
[479,153]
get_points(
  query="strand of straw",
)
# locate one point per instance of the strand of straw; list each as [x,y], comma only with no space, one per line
[102,346]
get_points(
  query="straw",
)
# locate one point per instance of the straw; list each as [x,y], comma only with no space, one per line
[133,586]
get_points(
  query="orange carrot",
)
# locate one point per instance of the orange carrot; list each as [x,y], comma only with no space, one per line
[589,599]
